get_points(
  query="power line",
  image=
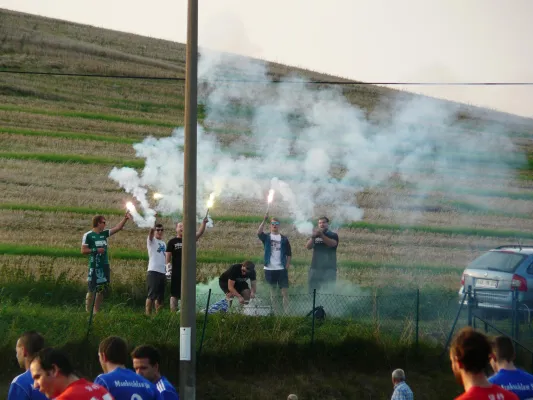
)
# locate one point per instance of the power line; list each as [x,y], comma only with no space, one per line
[301,82]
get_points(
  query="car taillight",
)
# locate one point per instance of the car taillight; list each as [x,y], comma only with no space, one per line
[463,279]
[519,282]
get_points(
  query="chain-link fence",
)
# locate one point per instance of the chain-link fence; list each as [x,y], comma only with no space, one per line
[497,312]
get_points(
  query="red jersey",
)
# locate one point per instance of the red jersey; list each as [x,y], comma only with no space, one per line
[84,390]
[493,392]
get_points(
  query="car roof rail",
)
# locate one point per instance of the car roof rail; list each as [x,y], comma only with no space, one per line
[515,246]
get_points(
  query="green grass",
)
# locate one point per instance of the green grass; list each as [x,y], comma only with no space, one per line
[73,158]
[68,209]
[256,344]
[208,257]
[70,135]
[246,219]
[446,230]
[88,115]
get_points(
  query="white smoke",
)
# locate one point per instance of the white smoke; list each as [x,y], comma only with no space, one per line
[311,145]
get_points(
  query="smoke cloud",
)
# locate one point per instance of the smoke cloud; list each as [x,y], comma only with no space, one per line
[312,146]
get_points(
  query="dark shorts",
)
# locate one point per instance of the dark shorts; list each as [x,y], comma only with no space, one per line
[175,285]
[240,286]
[278,277]
[155,282]
[322,279]
[102,286]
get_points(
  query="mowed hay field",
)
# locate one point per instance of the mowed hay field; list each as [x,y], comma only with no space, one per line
[61,136]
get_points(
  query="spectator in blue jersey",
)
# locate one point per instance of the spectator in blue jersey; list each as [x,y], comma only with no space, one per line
[146,362]
[507,375]
[122,383]
[28,345]
[276,259]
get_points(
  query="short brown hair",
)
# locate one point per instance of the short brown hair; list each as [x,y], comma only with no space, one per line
[33,342]
[250,266]
[147,351]
[472,349]
[114,349]
[324,218]
[97,219]
[503,348]
[49,357]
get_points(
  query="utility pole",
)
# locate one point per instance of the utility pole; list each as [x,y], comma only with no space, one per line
[188,284]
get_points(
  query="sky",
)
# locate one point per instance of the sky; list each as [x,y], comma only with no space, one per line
[365,40]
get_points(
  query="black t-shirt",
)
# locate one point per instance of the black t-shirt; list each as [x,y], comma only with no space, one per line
[235,274]
[325,257]
[174,246]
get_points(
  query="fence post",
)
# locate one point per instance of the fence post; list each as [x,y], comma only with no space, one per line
[516,316]
[205,322]
[313,316]
[470,305]
[453,325]
[89,325]
[417,314]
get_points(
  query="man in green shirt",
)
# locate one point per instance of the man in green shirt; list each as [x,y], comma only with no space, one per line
[94,243]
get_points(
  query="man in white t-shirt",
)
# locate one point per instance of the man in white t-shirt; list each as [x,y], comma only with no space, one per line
[277,259]
[156,276]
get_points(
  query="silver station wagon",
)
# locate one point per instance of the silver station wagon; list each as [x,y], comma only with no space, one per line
[496,273]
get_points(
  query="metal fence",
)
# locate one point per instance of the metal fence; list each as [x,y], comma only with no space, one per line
[497,312]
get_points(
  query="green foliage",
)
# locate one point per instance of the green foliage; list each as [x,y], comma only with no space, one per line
[69,135]
[216,256]
[73,158]
[89,115]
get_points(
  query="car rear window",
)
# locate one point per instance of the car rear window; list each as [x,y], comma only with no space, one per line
[497,261]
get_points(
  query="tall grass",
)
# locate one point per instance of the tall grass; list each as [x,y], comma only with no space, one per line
[72,158]
[88,115]
[248,219]
[70,135]
[209,257]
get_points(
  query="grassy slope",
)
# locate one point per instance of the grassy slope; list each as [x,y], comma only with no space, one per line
[93,124]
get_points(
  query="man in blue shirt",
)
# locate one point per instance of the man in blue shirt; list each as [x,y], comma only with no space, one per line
[276,259]
[402,391]
[146,362]
[507,375]
[28,345]
[122,383]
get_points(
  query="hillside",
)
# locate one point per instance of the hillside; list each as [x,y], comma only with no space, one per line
[416,187]
[92,123]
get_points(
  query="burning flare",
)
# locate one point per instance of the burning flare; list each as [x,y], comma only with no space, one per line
[211,200]
[210,203]
[130,207]
[270,196]
[158,196]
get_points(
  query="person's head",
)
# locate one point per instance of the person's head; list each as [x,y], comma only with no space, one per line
[469,353]
[28,345]
[179,229]
[274,225]
[292,397]
[99,222]
[503,351]
[159,231]
[323,223]
[50,370]
[112,351]
[146,361]
[398,375]
[247,267]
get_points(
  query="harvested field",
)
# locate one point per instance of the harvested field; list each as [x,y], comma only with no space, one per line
[45,117]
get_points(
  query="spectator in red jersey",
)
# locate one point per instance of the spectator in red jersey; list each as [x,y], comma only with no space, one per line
[470,353]
[53,375]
